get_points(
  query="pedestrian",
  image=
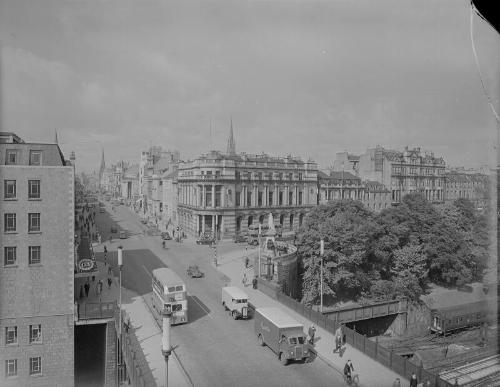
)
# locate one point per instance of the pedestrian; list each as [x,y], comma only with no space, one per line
[109,282]
[87,289]
[246,262]
[397,383]
[109,270]
[244,280]
[99,284]
[254,282]
[338,339]
[413,380]
[312,332]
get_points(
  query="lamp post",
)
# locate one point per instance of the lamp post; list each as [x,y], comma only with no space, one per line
[120,265]
[166,348]
[259,251]
[321,252]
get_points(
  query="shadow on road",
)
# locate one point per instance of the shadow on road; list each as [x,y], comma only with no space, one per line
[197,309]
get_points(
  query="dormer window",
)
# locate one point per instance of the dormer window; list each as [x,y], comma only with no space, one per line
[35,157]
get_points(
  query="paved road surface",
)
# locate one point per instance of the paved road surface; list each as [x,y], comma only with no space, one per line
[214,349]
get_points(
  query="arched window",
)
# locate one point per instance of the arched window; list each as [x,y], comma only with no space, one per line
[250,220]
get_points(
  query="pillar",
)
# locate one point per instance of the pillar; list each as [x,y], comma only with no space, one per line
[213,195]
[203,224]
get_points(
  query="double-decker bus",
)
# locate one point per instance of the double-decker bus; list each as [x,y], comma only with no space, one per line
[169,291]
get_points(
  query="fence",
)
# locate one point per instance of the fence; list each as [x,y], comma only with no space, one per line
[373,349]
[96,310]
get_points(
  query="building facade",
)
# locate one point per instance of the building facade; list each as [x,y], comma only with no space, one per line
[223,194]
[405,172]
[344,185]
[472,186]
[36,267]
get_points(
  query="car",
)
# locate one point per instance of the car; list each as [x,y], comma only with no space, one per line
[193,271]
[144,221]
[114,230]
[240,238]
[205,240]
[165,236]
[123,235]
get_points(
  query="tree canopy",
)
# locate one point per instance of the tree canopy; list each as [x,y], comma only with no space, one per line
[392,253]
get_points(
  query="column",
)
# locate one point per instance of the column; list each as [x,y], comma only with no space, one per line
[213,195]
[276,195]
[254,196]
[203,196]
[203,224]
[223,196]
[213,225]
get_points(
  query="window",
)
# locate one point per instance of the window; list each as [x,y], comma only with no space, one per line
[35,157]
[33,189]
[35,333]
[300,197]
[10,256]
[11,367]
[259,198]
[271,198]
[9,222]
[11,157]
[9,189]
[34,222]
[237,198]
[10,335]
[35,365]
[34,255]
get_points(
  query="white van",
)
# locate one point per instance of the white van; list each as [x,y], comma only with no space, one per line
[236,301]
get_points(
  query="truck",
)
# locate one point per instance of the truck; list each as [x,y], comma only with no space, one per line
[236,301]
[280,332]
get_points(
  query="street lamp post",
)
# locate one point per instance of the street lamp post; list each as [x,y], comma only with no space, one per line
[321,252]
[120,265]
[260,265]
[166,348]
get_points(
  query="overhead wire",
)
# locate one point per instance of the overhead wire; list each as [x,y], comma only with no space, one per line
[485,91]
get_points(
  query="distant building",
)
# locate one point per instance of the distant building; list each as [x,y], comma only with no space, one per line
[169,200]
[36,265]
[409,171]
[130,183]
[223,194]
[346,162]
[344,185]
[475,187]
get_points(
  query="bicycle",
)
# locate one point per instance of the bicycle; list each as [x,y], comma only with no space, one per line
[353,381]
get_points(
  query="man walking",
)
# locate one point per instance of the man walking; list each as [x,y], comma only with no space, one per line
[244,280]
[109,282]
[312,332]
[87,289]
[254,282]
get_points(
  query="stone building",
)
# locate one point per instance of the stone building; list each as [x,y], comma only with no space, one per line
[36,264]
[169,199]
[405,172]
[225,193]
[344,185]
[130,183]
[472,186]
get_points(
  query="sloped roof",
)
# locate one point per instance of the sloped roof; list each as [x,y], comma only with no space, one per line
[170,174]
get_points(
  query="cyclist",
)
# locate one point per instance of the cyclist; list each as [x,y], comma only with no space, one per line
[348,368]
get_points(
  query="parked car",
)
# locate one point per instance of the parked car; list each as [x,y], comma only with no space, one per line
[240,238]
[193,271]
[123,235]
[114,230]
[205,240]
[165,236]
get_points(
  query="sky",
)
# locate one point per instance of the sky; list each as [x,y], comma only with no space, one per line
[307,78]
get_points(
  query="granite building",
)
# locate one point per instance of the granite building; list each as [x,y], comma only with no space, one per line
[36,264]
[224,193]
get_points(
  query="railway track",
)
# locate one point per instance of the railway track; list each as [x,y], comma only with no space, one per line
[476,373]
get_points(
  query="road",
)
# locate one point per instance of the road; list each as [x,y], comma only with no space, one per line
[214,349]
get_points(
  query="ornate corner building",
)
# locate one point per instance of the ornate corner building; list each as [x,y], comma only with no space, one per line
[225,193]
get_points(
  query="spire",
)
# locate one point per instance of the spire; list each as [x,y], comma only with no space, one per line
[231,145]
[55,138]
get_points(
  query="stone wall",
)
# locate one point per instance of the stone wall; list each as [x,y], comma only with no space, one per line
[111,347]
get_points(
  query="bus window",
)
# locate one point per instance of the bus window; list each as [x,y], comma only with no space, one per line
[171,289]
[179,288]
[176,307]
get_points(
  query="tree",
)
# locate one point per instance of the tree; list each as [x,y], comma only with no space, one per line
[345,227]
[410,271]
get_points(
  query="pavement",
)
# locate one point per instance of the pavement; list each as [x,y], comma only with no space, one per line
[144,326]
[371,373]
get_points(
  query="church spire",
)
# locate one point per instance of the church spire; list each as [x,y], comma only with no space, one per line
[231,145]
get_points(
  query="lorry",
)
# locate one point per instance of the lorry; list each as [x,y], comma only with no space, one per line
[280,332]
[236,301]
